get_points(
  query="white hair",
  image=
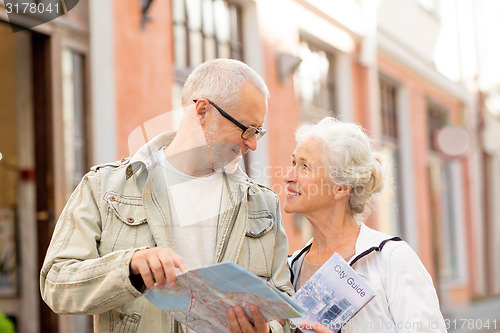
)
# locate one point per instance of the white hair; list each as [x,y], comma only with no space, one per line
[220,80]
[349,158]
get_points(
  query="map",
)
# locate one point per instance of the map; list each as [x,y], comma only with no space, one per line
[202,297]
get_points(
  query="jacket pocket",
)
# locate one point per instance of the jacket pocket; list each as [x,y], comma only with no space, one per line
[126,224]
[127,323]
[128,209]
[259,223]
[258,248]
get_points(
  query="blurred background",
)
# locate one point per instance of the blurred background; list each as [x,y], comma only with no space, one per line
[422,76]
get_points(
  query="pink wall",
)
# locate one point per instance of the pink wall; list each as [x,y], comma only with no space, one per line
[282,120]
[143,66]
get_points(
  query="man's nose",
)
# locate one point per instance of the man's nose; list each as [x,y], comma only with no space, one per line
[251,143]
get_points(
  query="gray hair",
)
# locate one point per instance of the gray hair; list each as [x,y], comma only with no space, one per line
[220,80]
[349,158]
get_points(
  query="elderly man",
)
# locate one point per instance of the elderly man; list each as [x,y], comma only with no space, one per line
[180,202]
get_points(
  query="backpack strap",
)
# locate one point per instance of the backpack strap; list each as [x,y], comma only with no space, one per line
[361,255]
[374,248]
[294,259]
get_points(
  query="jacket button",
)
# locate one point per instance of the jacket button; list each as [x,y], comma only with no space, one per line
[130,220]
[252,232]
[121,316]
[112,199]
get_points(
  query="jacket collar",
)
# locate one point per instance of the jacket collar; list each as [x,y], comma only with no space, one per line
[147,156]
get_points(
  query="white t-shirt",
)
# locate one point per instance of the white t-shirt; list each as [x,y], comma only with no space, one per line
[194,208]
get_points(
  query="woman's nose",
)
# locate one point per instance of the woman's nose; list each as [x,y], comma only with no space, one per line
[290,175]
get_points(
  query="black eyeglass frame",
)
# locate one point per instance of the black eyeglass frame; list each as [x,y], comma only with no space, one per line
[250,130]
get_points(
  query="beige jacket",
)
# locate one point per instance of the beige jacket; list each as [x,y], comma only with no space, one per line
[121,207]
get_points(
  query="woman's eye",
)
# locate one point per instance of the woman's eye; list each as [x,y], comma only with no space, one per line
[293,163]
[306,166]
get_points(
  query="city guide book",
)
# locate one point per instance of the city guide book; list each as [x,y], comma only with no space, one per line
[202,297]
[333,295]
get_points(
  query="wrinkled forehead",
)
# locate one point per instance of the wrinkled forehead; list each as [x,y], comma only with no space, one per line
[311,149]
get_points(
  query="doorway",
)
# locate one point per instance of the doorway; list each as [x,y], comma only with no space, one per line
[26,176]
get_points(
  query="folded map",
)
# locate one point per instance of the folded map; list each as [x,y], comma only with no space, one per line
[202,297]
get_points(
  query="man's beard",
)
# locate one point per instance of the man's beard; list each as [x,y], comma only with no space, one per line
[225,156]
[233,165]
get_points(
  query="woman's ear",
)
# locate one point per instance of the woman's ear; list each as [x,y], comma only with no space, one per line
[342,191]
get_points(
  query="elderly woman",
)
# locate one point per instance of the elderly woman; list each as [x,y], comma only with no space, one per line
[333,175]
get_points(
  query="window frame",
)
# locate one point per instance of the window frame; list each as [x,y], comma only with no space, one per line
[235,44]
[314,111]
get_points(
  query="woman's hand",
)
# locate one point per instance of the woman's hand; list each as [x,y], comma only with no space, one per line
[238,321]
[316,327]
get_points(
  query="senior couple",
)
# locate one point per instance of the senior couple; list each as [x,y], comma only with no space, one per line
[182,202]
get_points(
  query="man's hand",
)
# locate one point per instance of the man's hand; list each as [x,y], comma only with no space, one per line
[237,320]
[157,265]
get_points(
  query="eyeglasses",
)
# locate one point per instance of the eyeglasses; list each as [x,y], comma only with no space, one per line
[248,132]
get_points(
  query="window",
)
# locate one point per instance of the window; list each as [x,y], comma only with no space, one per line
[389,209]
[436,119]
[74,118]
[445,201]
[203,30]
[315,82]
[388,110]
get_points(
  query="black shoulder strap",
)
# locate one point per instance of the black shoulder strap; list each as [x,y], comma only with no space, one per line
[361,255]
[374,248]
[305,249]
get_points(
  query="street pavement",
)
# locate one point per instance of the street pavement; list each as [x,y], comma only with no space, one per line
[478,317]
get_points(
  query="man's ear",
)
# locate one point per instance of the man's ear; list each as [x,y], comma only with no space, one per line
[341,191]
[202,106]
